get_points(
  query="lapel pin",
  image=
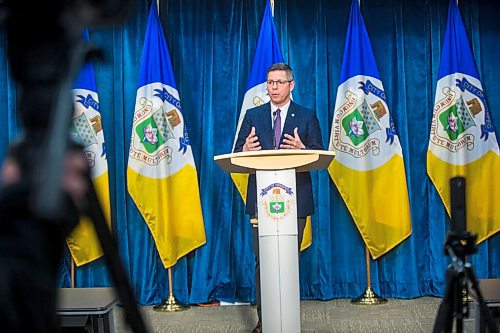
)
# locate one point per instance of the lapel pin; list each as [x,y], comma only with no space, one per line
[293,114]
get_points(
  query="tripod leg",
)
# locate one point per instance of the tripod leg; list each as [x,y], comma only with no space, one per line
[113,262]
[444,318]
[459,302]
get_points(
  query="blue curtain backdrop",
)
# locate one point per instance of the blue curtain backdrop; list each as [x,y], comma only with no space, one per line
[211,45]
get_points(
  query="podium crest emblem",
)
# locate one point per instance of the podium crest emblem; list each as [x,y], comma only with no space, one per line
[277,201]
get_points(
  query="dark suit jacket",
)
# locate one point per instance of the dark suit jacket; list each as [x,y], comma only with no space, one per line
[310,134]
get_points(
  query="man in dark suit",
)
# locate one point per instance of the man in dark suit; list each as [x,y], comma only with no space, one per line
[279,124]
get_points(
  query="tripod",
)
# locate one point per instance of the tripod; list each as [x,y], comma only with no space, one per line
[458,275]
[45,62]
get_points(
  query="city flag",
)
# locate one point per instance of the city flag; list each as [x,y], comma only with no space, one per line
[268,52]
[161,173]
[462,138]
[87,129]
[368,169]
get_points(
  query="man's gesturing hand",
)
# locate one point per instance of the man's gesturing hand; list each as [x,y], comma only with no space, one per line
[292,142]
[252,141]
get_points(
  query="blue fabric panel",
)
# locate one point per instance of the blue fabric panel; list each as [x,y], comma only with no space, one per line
[268,40]
[358,55]
[86,78]
[457,55]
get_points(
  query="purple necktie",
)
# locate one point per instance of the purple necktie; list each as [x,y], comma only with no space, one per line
[277,129]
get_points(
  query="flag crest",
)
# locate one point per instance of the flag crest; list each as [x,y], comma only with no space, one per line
[161,173]
[87,129]
[368,165]
[462,139]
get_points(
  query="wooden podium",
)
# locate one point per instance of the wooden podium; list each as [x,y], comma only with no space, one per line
[277,214]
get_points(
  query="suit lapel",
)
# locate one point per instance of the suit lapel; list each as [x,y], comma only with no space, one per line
[291,121]
[267,138]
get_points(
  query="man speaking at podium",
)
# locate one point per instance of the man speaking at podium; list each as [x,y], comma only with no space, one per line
[279,124]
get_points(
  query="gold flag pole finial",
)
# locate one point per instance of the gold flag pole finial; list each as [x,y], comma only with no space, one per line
[171,304]
[368,297]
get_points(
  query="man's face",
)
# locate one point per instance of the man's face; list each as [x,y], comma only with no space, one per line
[279,87]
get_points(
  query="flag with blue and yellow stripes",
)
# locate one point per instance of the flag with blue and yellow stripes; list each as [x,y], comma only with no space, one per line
[161,173]
[462,139]
[87,129]
[368,169]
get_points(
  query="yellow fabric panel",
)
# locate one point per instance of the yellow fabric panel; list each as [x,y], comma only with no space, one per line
[307,238]
[241,182]
[378,203]
[172,210]
[83,242]
[482,190]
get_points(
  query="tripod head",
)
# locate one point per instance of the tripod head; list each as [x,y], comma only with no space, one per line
[459,245]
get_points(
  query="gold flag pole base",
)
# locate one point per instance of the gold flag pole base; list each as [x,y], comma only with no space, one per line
[170,305]
[369,298]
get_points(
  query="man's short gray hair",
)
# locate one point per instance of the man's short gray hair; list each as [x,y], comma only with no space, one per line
[280,66]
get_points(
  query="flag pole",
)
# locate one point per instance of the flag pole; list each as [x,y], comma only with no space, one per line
[368,297]
[72,271]
[171,304]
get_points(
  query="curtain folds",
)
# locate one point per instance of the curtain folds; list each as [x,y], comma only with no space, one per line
[212,44]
